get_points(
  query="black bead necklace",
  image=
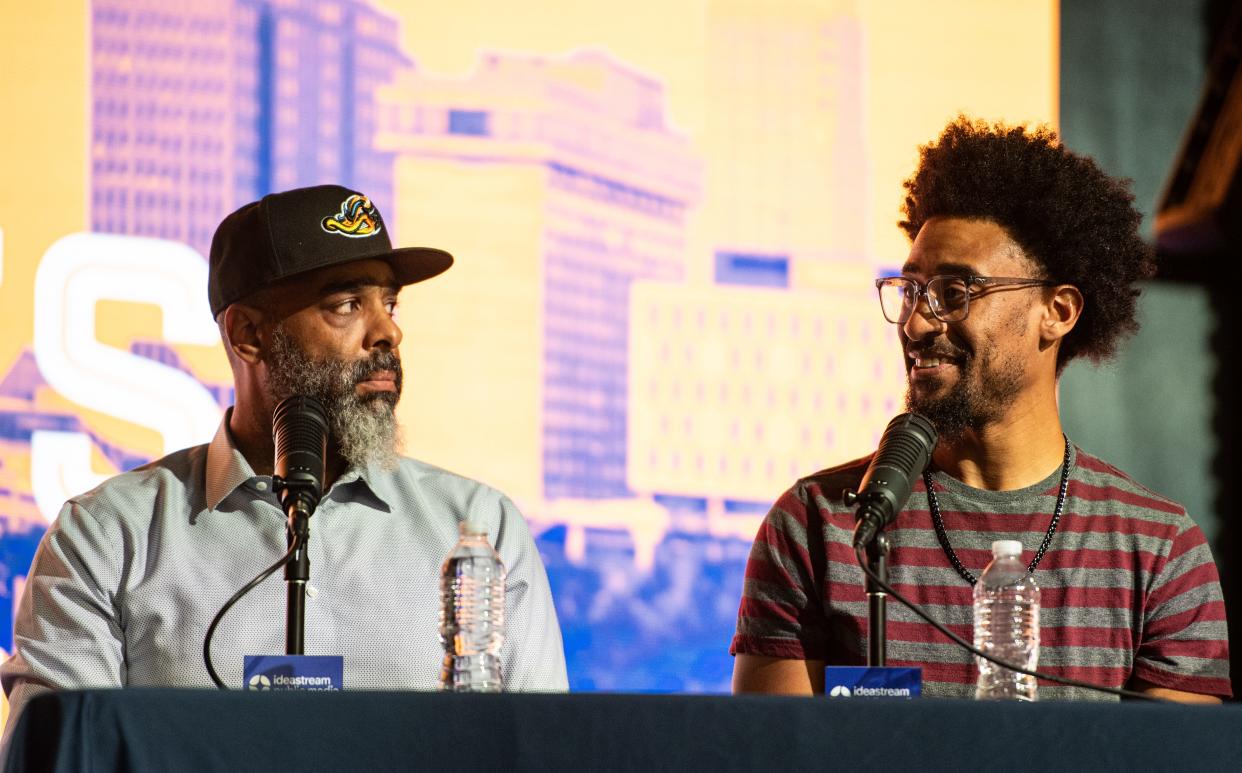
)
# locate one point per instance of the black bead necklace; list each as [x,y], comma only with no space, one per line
[943,536]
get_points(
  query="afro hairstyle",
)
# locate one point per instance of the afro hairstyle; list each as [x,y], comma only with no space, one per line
[1065,213]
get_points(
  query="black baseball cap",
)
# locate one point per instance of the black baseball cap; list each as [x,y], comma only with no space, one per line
[286,234]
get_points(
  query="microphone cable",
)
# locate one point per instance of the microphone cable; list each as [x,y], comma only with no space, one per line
[300,437]
[215,621]
[860,556]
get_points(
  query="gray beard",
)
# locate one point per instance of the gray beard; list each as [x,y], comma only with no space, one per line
[363,429]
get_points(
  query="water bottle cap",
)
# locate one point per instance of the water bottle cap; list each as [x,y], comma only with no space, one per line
[473,526]
[1006,547]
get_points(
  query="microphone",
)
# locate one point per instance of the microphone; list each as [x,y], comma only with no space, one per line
[904,452]
[300,432]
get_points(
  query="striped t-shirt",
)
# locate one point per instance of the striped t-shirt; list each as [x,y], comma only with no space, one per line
[1128,584]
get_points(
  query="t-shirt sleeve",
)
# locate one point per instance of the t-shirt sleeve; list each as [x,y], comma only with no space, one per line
[782,611]
[1185,643]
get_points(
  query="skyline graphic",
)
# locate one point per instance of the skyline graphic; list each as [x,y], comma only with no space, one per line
[649,332]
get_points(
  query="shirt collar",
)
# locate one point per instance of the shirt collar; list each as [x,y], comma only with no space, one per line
[227,470]
[373,480]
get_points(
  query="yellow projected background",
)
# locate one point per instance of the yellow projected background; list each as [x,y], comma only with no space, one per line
[666,218]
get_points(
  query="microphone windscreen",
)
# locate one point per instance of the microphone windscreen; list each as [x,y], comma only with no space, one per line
[300,433]
[905,451]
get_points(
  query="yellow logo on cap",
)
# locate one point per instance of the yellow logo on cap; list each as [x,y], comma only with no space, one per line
[356,219]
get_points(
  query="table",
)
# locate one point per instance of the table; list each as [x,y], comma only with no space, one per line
[191,730]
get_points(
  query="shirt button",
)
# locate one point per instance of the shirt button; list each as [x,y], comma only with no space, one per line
[261,485]
[311,591]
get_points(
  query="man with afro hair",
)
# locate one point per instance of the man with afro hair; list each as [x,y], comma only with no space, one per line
[1024,256]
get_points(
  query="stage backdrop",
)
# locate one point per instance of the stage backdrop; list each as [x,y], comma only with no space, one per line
[666,218]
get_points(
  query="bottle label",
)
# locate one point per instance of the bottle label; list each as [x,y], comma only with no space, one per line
[868,682]
[293,672]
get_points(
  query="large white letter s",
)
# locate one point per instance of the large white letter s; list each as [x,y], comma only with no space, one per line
[75,274]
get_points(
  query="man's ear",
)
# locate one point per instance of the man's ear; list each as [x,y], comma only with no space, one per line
[1062,311]
[241,327]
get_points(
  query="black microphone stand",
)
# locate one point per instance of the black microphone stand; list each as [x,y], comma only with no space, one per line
[877,548]
[297,570]
[877,601]
[905,451]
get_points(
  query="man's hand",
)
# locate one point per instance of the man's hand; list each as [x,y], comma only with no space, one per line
[1138,685]
[777,676]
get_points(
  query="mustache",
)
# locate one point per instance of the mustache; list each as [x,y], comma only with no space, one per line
[944,351]
[361,370]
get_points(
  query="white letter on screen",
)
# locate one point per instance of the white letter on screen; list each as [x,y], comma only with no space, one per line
[75,274]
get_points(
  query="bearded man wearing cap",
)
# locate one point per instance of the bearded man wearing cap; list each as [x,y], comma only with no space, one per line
[303,285]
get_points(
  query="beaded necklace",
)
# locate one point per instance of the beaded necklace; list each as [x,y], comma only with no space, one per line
[943,536]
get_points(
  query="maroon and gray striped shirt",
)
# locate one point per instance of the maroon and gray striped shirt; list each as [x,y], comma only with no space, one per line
[1129,587]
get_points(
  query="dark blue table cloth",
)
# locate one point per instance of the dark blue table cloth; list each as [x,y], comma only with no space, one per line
[190,730]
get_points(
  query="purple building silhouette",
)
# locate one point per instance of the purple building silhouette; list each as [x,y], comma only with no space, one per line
[197,109]
[614,189]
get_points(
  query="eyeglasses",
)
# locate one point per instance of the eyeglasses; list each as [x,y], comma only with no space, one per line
[948,296]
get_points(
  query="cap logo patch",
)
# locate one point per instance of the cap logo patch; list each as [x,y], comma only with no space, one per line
[356,219]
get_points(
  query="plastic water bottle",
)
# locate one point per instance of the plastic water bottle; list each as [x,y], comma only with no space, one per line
[1007,624]
[472,616]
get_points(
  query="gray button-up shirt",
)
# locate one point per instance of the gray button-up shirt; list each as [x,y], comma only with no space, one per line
[126,581]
